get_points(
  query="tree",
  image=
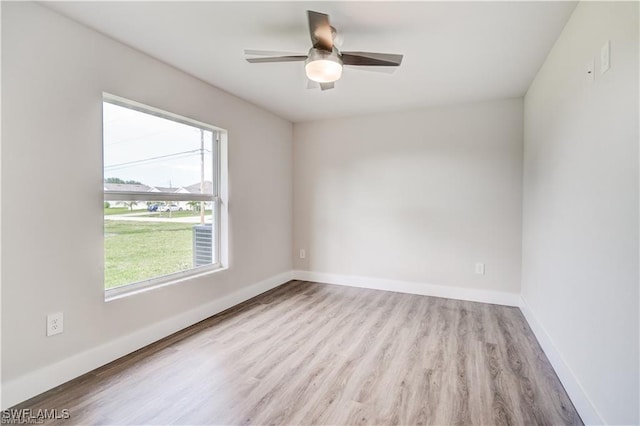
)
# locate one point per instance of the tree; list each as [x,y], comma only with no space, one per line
[118,180]
[130,204]
[194,205]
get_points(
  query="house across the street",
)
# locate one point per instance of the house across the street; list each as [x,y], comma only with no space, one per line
[207,188]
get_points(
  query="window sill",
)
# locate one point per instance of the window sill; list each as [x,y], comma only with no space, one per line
[144,286]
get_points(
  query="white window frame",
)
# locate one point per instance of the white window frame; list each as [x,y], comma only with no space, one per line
[218,216]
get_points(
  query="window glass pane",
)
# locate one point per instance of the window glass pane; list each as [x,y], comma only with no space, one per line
[144,239]
[155,153]
[150,242]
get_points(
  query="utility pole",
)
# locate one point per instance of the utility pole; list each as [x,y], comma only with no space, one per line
[201,175]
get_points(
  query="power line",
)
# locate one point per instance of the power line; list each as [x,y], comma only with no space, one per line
[147,160]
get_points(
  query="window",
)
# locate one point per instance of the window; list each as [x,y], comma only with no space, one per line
[161,197]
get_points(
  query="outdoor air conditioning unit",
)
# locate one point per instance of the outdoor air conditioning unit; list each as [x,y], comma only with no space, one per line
[202,245]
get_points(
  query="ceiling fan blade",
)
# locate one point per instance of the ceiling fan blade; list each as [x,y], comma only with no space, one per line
[322,86]
[277,59]
[376,69]
[320,30]
[371,59]
[254,52]
[326,86]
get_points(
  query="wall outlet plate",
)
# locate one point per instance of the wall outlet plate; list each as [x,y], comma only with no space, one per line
[55,323]
[303,254]
[605,57]
[480,268]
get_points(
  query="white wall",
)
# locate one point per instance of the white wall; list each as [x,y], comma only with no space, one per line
[53,75]
[580,239]
[416,196]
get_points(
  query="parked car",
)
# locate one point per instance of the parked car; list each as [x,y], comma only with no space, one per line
[171,208]
[153,207]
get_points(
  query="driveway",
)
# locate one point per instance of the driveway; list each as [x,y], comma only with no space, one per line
[139,218]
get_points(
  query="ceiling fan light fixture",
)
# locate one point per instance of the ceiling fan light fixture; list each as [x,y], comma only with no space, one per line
[323,67]
[324,62]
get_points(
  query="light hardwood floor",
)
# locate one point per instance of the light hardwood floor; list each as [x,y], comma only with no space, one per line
[308,353]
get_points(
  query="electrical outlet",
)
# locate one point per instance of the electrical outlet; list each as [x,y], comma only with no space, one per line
[303,254]
[480,268]
[590,74]
[55,324]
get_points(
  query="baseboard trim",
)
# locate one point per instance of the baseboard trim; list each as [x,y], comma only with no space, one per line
[449,292]
[580,399]
[39,381]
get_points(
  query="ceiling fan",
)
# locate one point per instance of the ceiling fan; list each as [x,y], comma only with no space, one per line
[324,62]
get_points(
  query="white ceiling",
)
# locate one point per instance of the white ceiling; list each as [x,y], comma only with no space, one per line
[454,51]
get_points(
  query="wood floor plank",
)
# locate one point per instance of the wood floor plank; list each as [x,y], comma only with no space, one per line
[307,353]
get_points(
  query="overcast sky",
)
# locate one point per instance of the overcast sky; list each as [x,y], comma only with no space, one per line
[134,141]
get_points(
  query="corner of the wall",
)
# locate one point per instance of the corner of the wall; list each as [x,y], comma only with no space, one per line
[569,380]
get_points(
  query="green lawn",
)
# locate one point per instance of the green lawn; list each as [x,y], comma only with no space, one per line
[141,250]
[116,210]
